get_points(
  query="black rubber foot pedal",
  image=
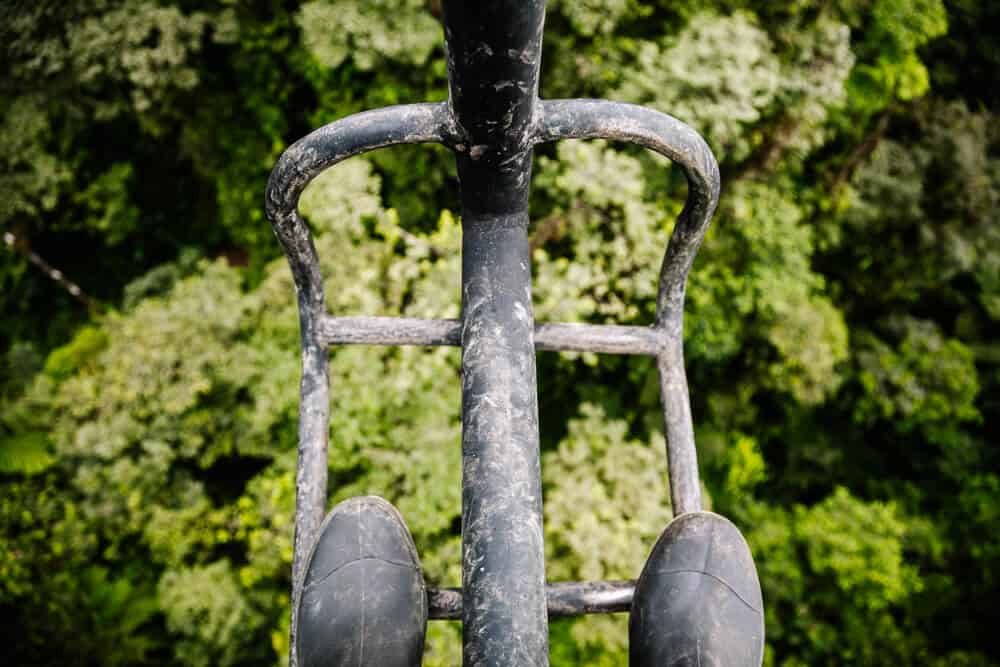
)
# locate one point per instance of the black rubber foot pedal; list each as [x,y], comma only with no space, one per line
[363,601]
[698,600]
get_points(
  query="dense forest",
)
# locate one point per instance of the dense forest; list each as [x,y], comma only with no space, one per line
[842,328]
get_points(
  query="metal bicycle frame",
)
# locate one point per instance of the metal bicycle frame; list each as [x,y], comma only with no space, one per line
[492,120]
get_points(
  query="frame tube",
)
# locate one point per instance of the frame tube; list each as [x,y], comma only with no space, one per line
[605,339]
[568,598]
[494,51]
[297,166]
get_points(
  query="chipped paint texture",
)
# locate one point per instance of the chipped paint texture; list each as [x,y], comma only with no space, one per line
[566,598]
[503,566]
[491,121]
[494,52]
[604,338]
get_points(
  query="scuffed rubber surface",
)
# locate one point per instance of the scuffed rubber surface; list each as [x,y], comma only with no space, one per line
[363,601]
[698,601]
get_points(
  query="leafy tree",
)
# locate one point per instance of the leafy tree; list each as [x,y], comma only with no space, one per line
[841,331]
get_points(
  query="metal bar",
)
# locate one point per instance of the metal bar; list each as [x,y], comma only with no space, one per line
[569,598]
[601,338]
[494,51]
[308,157]
[587,119]
[390,331]
[298,165]
[503,567]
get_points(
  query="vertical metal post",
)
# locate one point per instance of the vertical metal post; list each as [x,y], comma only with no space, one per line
[494,50]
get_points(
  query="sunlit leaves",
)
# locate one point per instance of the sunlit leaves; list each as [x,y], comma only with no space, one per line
[208,614]
[369,33]
[719,75]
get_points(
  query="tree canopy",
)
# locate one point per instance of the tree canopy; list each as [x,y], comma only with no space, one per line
[841,328]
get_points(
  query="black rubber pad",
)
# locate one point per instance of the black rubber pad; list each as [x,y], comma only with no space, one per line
[363,602]
[698,601]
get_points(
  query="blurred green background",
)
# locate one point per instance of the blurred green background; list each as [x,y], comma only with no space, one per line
[841,334]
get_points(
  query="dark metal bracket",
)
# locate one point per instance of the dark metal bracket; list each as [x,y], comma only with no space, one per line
[492,120]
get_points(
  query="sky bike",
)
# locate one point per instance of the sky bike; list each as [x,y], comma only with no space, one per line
[359,597]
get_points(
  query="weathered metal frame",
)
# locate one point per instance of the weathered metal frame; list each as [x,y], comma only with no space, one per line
[492,121]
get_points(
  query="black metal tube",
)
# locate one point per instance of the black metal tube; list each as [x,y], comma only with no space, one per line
[494,51]
[503,567]
[602,338]
[566,598]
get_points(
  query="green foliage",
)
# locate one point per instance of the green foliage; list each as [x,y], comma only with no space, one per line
[867,561]
[891,67]
[606,502]
[160,280]
[369,33]
[927,379]
[768,280]
[207,615]
[106,201]
[119,609]
[70,358]
[834,573]
[25,453]
[719,74]
[22,361]
[592,17]
[608,269]
[840,332]
[30,175]
[606,499]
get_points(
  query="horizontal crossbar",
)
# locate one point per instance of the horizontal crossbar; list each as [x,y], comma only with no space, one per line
[569,598]
[603,338]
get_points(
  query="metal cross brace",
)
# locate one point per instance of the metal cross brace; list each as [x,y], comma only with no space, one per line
[491,121]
